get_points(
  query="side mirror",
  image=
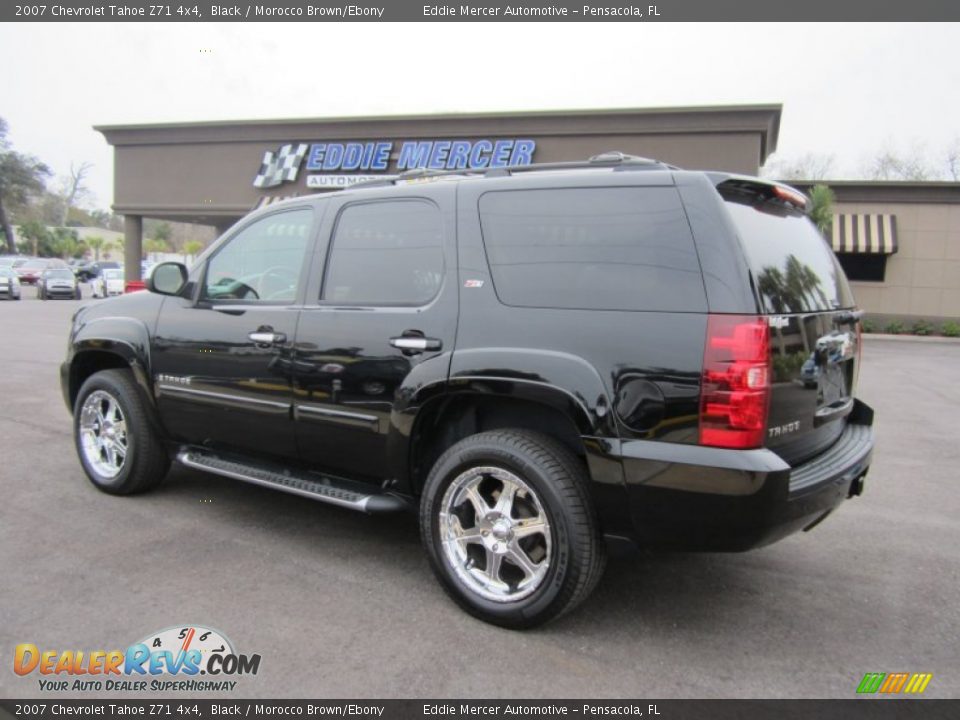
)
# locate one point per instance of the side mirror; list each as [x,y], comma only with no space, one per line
[167,278]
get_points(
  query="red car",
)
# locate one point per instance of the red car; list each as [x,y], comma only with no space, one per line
[32,268]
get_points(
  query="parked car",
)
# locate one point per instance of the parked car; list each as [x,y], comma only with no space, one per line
[86,273]
[9,283]
[8,260]
[58,282]
[30,269]
[534,360]
[108,282]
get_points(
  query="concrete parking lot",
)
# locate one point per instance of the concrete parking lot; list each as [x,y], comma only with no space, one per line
[343,605]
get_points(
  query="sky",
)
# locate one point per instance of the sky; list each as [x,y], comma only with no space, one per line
[847,90]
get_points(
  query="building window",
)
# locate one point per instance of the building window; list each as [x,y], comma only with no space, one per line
[863,267]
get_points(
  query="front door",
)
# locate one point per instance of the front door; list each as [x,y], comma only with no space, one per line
[381,324]
[221,357]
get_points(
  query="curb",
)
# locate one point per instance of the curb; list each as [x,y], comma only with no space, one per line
[913,338]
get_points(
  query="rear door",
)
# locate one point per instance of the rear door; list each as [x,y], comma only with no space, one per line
[379,324]
[814,328]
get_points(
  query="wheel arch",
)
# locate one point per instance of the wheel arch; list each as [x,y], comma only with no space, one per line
[449,418]
[110,343]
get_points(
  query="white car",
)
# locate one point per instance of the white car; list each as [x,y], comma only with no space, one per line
[9,283]
[108,282]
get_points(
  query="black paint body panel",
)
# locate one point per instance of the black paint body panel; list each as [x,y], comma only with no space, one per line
[336,396]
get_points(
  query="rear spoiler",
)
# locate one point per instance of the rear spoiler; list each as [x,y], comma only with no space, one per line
[764,189]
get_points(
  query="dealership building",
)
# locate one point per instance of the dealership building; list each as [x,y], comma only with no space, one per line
[900,242]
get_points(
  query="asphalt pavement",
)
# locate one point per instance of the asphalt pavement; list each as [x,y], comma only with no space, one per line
[339,604]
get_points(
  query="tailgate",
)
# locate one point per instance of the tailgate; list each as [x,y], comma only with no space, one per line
[814,363]
[814,328]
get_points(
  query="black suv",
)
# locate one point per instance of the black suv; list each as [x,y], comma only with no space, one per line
[536,359]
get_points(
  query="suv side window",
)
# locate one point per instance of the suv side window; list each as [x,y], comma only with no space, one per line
[262,262]
[386,253]
[610,248]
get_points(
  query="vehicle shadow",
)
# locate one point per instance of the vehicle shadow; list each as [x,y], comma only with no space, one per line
[641,593]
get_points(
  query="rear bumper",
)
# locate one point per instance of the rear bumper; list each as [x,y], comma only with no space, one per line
[697,498]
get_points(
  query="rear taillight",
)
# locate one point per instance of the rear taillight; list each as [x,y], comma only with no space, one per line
[735,392]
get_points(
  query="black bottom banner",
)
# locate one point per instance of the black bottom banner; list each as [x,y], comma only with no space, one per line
[866,709]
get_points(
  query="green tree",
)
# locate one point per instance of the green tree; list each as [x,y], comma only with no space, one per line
[155,245]
[822,200]
[36,239]
[192,247]
[96,243]
[20,177]
[66,243]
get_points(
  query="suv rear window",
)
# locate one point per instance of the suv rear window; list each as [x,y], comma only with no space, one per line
[794,268]
[592,248]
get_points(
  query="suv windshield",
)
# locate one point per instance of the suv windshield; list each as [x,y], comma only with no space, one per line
[794,268]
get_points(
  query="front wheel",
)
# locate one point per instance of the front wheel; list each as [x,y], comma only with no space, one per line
[509,527]
[118,446]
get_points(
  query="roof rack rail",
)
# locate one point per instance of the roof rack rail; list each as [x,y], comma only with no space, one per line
[613,159]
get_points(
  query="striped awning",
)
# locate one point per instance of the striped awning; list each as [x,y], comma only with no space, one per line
[875,234]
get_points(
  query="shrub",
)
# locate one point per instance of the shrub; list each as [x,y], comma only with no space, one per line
[951,329]
[922,327]
[868,326]
[894,328]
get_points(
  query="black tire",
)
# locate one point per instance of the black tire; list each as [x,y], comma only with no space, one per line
[145,461]
[558,481]
[41,294]
[79,294]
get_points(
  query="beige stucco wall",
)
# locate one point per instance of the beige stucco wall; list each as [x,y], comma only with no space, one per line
[923,277]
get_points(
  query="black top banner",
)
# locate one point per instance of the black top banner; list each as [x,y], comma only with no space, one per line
[481,11]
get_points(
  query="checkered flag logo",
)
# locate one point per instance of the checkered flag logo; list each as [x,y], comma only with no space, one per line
[280,166]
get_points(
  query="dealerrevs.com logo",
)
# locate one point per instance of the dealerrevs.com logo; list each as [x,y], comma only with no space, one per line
[173,659]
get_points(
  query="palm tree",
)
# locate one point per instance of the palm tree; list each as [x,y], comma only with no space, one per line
[95,243]
[192,247]
[822,199]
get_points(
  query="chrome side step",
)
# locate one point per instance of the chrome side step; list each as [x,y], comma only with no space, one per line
[334,491]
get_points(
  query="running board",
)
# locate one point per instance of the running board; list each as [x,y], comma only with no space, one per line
[324,488]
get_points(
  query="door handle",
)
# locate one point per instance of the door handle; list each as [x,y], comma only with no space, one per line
[413,344]
[266,338]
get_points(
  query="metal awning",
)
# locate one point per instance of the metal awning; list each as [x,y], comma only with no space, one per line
[875,234]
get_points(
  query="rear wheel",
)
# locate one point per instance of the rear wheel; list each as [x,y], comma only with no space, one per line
[510,529]
[41,294]
[118,447]
[78,294]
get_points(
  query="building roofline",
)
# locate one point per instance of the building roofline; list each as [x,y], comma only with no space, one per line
[890,191]
[565,113]
[759,118]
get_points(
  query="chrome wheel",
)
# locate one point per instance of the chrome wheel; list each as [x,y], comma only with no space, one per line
[103,434]
[495,534]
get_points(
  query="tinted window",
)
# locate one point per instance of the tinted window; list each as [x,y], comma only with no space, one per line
[262,262]
[598,248]
[794,268]
[386,253]
[60,273]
